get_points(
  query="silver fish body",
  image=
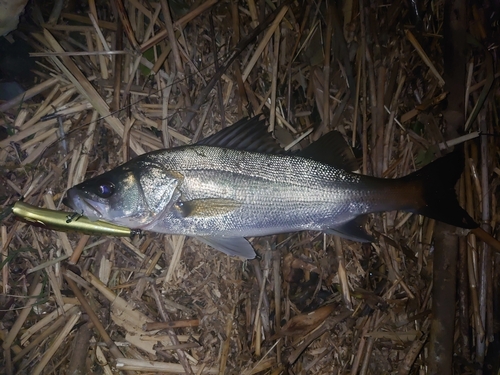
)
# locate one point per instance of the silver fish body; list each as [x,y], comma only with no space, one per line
[221,195]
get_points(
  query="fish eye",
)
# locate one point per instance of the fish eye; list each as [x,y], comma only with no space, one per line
[105,190]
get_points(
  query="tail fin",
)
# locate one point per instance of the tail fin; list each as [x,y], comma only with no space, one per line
[438,180]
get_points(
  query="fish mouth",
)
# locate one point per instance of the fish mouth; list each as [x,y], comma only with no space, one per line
[83,205]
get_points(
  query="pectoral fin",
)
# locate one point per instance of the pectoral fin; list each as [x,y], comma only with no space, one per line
[234,246]
[352,230]
[207,207]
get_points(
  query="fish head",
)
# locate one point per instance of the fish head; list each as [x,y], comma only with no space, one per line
[132,195]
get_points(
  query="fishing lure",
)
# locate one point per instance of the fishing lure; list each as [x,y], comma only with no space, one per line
[65,221]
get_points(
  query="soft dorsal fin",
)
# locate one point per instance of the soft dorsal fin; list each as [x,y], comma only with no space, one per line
[332,149]
[245,135]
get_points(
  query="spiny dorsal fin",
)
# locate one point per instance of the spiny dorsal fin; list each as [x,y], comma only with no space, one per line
[332,149]
[245,135]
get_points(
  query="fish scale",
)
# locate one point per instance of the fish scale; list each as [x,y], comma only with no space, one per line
[265,188]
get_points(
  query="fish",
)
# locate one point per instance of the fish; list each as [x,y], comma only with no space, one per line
[239,183]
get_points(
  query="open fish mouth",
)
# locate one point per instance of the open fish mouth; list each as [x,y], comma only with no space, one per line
[84,206]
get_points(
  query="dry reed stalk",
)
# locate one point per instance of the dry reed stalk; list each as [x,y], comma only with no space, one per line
[29,94]
[483,82]
[85,20]
[60,103]
[47,138]
[5,256]
[42,323]
[90,45]
[274,80]
[135,250]
[129,123]
[93,318]
[48,100]
[88,91]
[378,134]
[178,24]
[344,282]
[263,301]
[163,367]
[173,337]
[261,317]
[277,282]
[389,132]
[224,352]
[166,90]
[197,134]
[127,27]
[23,315]
[100,44]
[42,336]
[77,252]
[282,120]
[359,64]
[83,160]
[485,267]
[368,346]
[161,60]
[424,57]
[106,265]
[468,83]
[171,131]
[478,106]
[263,365]
[172,324]
[55,283]
[326,73]
[103,361]
[72,320]
[176,243]
[472,257]
[154,262]
[123,313]
[265,39]
[476,181]
[175,51]
[165,339]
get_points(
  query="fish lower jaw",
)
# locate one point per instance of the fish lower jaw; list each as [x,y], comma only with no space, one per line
[85,207]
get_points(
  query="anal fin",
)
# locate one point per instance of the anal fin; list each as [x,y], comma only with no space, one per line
[352,230]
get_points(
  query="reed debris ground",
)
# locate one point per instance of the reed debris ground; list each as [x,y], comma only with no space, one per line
[108,81]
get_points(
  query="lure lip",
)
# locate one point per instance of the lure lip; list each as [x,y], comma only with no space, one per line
[64,221]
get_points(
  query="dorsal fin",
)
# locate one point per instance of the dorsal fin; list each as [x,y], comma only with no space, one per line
[245,135]
[332,149]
